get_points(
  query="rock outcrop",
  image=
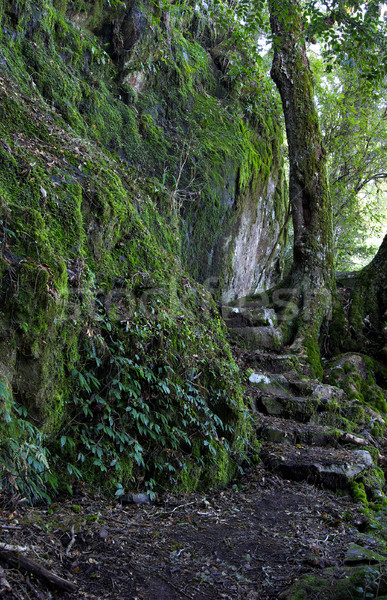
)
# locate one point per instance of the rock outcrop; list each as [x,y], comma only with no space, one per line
[128,162]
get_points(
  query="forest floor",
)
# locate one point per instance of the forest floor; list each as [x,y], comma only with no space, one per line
[250,540]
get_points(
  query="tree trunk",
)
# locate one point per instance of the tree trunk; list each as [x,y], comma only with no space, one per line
[312,275]
[368,312]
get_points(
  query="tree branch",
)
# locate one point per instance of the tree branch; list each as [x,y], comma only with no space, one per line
[25,564]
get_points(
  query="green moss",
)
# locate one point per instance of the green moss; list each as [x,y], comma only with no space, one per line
[312,349]
[309,585]
[362,388]
[356,582]
[338,327]
[359,493]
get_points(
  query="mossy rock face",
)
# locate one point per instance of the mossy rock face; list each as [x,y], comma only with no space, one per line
[229,199]
[105,191]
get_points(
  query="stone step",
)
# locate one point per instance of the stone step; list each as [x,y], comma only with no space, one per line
[266,337]
[275,395]
[274,384]
[330,467]
[286,396]
[298,409]
[277,430]
[288,384]
[271,362]
[249,316]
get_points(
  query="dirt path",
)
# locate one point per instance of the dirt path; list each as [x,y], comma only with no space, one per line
[251,541]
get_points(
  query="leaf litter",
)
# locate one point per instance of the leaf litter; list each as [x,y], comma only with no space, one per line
[251,540]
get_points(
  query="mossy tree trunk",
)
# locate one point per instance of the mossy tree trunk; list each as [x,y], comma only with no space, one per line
[368,312]
[312,273]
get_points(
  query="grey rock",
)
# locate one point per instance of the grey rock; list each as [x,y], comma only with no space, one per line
[257,317]
[276,385]
[271,433]
[328,392]
[374,415]
[299,409]
[335,469]
[279,430]
[338,472]
[258,337]
[265,316]
[273,362]
[364,457]
[135,499]
[358,555]
[272,406]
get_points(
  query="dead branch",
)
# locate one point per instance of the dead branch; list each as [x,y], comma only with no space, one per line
[25,564]
[354,439]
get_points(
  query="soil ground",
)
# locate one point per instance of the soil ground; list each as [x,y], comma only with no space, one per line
[250,540]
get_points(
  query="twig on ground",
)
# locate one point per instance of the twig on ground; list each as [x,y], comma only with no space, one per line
[72,541]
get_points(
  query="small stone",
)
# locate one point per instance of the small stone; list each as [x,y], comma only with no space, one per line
[259,378]
[364,456]
[135,499]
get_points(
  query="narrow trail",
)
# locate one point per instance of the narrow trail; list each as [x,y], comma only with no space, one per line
[277,523]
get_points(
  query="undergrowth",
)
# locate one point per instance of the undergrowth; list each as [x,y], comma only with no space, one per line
[134,417]
[25,459]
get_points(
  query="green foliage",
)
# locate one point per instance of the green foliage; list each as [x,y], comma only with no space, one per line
[354,126]
[24,458]
[351,33]
[131,417]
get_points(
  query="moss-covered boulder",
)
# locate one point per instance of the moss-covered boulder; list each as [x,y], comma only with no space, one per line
[340,584]
[362,378]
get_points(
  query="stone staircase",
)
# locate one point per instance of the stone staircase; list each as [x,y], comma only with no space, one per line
[309,430]
[255,325]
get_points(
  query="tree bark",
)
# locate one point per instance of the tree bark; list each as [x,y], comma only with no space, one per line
[359,321]
[313,271]
[368,312]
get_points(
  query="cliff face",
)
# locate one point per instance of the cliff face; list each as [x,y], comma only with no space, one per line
[131,167]
[217,139]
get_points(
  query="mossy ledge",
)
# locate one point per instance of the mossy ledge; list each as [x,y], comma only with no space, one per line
[114,366]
